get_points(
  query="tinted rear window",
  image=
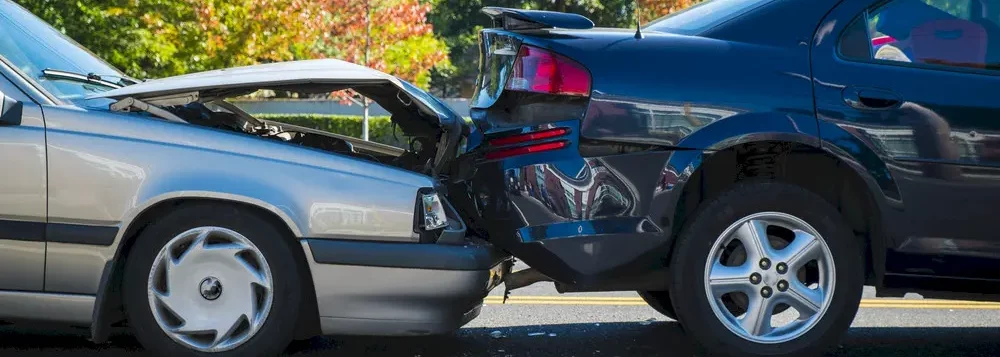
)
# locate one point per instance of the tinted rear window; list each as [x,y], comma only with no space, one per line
[703,16]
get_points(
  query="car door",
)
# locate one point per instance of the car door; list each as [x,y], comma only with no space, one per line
[22,190]
[918,81]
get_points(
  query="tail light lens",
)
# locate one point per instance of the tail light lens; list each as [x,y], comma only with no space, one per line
[541,71]
[527,138]
[524,150]
[535,136]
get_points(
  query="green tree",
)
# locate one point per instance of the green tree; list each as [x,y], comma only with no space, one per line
[392,36]
[156,38]
[129,46]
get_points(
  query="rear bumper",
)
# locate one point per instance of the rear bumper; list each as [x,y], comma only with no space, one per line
[594,222]
[400,289]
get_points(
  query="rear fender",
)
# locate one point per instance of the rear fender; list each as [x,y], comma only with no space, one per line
[865,163]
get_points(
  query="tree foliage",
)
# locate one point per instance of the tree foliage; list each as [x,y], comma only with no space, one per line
[156,38]
[653,9]
[392,36]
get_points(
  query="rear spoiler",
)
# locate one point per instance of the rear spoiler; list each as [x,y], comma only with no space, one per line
[516,19]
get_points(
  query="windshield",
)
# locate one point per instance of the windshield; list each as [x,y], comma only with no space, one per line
[701,17]
[31,45]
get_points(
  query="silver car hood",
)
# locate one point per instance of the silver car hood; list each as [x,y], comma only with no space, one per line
[322,75]
[322,71]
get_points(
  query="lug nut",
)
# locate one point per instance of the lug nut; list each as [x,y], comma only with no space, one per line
[765,263]
[781,268]
[782,286]
[755,278]
[766,292]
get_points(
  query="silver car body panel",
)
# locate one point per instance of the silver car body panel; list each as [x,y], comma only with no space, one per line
[22,265]
[389,301]
[23,193]
[64,308]
[106,168]
[23,200]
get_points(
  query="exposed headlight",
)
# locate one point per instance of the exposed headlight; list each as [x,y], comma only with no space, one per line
[434,216]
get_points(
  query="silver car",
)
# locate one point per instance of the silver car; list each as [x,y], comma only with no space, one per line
[206,230]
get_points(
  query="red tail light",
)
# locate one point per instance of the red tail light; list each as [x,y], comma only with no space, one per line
[527,138]
[530,149]
[535,136]
[541,71]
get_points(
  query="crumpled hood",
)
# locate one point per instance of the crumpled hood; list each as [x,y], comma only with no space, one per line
[323,71]
[318,76]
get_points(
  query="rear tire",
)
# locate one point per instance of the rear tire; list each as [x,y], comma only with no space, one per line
[272,294]
[707,261]
[659,301]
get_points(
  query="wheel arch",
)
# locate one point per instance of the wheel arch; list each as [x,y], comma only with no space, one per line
[797,159]
[108,307]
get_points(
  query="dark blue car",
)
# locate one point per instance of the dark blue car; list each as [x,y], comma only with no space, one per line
[746,165]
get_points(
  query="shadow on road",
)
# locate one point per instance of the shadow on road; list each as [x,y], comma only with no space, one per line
[606,339]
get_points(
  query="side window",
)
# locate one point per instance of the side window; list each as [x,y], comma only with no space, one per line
[949,33]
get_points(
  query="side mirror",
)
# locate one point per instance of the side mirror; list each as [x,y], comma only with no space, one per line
[10,111]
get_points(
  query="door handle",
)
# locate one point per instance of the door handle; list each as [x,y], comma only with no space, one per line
[871,98]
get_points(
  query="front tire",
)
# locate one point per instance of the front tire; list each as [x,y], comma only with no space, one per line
[766,269]
[213,280]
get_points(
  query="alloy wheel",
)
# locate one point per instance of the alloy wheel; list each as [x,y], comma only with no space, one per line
[770,277]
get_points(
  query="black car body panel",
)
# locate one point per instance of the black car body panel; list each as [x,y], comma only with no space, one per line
[939,147]
[605,208]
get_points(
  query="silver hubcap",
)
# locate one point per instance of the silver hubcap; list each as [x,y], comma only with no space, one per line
[770,277]
[210,289]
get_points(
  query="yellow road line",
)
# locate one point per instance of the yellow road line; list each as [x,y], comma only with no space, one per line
[635,301]
[592,298]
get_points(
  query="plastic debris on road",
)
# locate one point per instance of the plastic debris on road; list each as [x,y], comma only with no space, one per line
[647,322]
[496,334]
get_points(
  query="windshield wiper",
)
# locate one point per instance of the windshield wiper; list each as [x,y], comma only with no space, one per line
[90,78]
[122,80]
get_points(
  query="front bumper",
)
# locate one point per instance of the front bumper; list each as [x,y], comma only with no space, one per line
[401,289]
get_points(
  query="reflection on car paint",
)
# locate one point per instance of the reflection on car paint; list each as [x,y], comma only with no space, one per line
[588,190]
[647,122]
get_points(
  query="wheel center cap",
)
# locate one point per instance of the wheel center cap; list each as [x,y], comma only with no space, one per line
[769,278]
[211,288]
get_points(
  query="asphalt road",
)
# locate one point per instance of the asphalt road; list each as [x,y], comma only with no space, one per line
[537,321]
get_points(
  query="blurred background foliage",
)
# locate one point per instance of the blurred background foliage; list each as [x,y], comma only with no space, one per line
[431,43]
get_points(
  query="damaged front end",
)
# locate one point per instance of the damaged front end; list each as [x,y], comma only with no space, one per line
[436,134]
[435,131]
